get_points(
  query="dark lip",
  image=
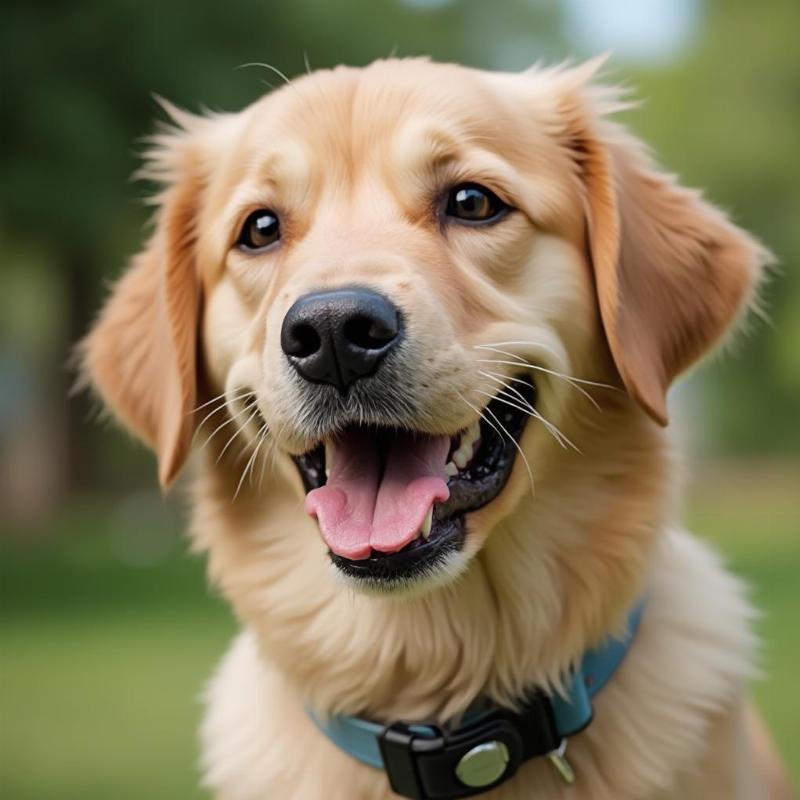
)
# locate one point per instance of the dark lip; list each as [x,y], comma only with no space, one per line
[473,488]
[421,557]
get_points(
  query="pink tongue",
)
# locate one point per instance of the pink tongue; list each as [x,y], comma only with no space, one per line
[359,511]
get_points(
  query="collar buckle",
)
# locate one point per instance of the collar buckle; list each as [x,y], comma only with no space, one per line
[427,763]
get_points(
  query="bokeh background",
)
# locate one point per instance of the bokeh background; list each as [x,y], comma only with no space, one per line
[107,628]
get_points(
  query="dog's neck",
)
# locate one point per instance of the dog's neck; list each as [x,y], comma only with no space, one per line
[554,577]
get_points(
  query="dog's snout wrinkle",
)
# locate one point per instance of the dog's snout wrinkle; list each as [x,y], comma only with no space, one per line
[340,336]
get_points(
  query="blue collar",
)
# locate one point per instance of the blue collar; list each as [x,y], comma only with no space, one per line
[425,761]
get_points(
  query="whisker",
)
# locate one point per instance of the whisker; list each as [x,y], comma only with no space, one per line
[236,433]
[570,380]
[526,408]
[270,454]
[228,421]
[220,396]
[274,451]
[218,408]
[269,67]
[540,345]
[282,76]
[497,378]
[251,460]
[261,439]
[522,362]
[519,358]
[510,437]
[544,369]
[519,397]
[551,428]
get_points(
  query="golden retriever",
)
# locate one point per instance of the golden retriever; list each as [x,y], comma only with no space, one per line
[426,318]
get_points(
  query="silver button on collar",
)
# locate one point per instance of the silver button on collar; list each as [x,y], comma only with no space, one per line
[483,765]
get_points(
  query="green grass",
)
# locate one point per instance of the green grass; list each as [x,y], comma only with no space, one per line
[101,668]
[753,517]
[102,663]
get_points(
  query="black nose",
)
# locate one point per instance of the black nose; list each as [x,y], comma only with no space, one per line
[338,337]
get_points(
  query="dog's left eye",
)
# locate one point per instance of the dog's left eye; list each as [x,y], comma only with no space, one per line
[260,230]
[471,202]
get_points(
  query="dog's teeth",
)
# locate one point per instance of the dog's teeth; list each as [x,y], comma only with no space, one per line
[471,435]
[328,460]
[427,523]
[463,449]
[465,446]
[461,457]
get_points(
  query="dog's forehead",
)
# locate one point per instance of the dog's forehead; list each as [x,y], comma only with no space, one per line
[347,114]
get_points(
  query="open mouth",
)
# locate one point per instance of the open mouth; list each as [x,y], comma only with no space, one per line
[391,503]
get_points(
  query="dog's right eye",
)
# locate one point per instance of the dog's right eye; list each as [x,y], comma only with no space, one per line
[261,230]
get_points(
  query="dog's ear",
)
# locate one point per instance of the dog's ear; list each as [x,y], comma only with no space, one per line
[141,354]
[672,273]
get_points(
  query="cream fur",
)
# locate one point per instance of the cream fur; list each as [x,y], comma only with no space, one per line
[608,271]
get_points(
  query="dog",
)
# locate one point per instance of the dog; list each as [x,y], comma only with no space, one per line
[424,318]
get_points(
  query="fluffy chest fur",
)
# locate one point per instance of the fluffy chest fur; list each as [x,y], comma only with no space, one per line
[692,656]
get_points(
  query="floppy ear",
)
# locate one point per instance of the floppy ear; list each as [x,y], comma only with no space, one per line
[672,273]
[141,354]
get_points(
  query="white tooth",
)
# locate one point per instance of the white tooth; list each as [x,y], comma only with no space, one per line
[450,469]
[469,437]
[328,460]
[461,458]
[427,523]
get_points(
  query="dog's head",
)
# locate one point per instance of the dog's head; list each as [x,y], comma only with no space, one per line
[415,282]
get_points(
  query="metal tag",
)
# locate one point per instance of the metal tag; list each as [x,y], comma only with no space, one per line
[558,759]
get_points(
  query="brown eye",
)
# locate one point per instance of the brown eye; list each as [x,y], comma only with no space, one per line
[260,230]
[471,202]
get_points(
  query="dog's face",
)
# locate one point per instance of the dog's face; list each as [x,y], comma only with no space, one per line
[411,283]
